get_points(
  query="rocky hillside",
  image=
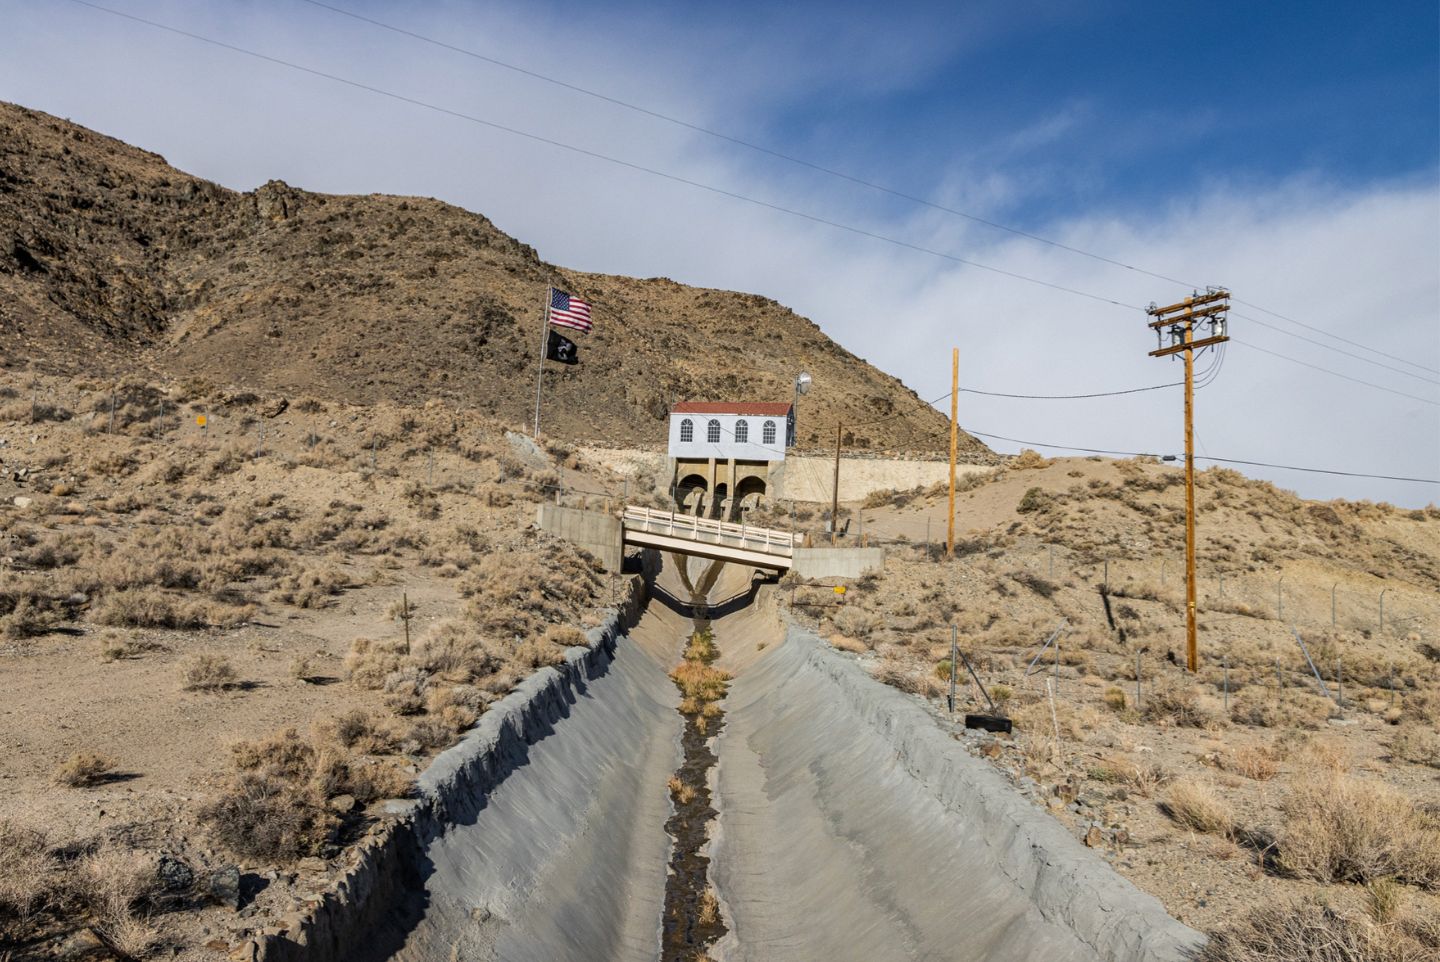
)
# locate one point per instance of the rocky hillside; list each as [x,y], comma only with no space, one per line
[112,262]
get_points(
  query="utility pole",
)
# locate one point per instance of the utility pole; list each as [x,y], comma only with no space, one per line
[1210,309]
[835,493]
[954,439]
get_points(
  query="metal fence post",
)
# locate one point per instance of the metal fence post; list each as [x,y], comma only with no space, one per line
[1137,680]
[954,648]
[1382,610]
[1225,664]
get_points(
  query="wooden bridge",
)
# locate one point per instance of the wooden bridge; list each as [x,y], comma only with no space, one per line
[721,540]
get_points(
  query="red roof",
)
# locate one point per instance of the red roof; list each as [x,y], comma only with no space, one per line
[747,409]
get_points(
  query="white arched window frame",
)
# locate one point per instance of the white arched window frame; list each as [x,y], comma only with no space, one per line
[687,431]
[712,432]
[742,431]
[767,433]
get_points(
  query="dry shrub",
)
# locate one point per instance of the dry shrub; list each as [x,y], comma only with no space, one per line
[565,636]
[1028,459]
[405,690]
[311,588]
[1183,707]
[263,816]
[518,594]
[30,876]
[1342,829]
[115,646]
[83,769]
[1307,931]
[1253,761]
[897,674]
[1415,744]
[856,622]
[851,645]
[205,671]
[370,662]
[456,652]
[1114,699]
[1199,807]
[276,806]
[1074,721]
[1292,709]
[537,653]
[152,608]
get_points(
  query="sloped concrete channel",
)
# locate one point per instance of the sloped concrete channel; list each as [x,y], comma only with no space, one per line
[849,826]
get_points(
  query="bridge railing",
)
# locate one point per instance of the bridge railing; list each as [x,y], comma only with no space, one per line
[768,540]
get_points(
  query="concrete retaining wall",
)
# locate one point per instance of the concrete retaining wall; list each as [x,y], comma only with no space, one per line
[896,843]
[837,562]
[597,532]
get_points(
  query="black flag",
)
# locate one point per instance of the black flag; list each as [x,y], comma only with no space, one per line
[561,349]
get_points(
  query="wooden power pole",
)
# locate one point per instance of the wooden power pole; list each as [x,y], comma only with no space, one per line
[954,441]
[1179,321]
[835,492]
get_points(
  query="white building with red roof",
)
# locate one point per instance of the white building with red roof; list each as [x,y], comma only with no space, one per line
[726,453]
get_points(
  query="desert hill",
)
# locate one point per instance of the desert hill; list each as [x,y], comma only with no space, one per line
[114,263]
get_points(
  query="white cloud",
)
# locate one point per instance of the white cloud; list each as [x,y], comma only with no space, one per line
[1359,260]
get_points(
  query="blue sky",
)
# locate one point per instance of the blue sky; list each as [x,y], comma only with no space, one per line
[1289,151]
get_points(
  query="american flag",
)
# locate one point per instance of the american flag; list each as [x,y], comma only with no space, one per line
[567,311]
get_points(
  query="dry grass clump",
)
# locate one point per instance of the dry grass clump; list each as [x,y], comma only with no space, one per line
[115,646]
[1416,744]
[1183,707]
[206,671]
[1337,828]
[846,643]
[1310,931]
[1198,807]
[84,769]
[1258,762]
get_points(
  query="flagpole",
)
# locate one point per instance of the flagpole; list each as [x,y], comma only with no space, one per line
[540,362]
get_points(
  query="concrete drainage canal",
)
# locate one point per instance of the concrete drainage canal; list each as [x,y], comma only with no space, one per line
[732,790]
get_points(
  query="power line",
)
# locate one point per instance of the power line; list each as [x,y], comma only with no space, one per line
[1337,337]
[1064,397]
[841,175]
[1345,474]
[1337,350]
[596,155]
[1326,370]
[1144,454]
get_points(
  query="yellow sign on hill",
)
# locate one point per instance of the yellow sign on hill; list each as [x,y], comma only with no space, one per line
[201,420]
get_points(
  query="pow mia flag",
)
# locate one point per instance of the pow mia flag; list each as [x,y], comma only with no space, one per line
[562,349]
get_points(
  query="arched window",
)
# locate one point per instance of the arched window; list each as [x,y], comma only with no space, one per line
[712,431]
[687,431]
[767,433]
[742,431]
